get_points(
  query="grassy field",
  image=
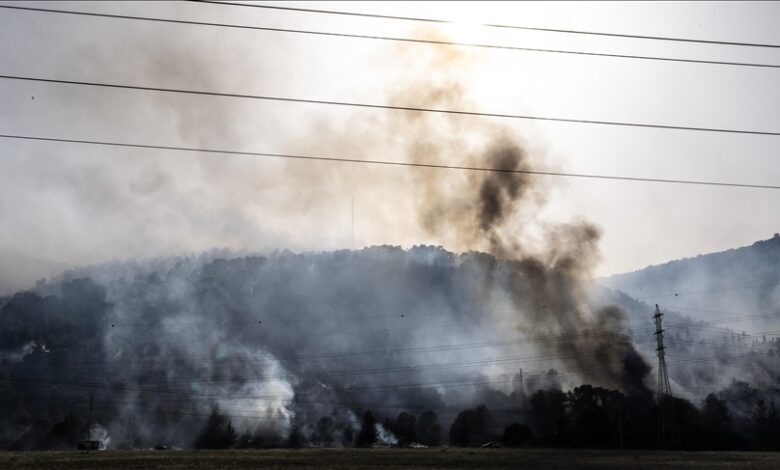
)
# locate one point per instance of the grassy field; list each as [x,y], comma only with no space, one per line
[390,459]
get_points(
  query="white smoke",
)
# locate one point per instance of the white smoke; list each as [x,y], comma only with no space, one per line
[99,433]
[17,355]
[384,436]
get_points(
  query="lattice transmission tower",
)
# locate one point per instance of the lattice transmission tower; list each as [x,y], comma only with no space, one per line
[667,422]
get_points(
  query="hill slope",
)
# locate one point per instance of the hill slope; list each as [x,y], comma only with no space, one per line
[734,283]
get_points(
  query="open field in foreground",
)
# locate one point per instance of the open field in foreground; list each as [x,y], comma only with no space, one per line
[390,459]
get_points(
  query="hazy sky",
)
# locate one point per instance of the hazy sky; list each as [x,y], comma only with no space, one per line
[66,205]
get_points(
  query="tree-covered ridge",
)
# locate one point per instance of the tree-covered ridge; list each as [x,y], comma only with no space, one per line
[297,349]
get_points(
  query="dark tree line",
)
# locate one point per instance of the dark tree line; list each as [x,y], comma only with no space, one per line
[218,433]
[594,417]
[585,417]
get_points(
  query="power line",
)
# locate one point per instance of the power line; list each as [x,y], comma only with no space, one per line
[394,369]
[309,405]
[454,407]
[484,380]
[196,377]
[199,376]
[397,368]
[720,357]
[233,414]
[474,320]
[727,319]
[449,348]
[387,107]
[439,348]
[413,367]
[117,387]
[633,329]
[711,291]
[312,404]
[264,320]
[467,321]
[490,25]
[630,328]
[387,162]
[306,407]
[391,38]
[476,317]
[727,339]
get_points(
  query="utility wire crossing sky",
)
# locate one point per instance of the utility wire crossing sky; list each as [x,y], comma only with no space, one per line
[700,72]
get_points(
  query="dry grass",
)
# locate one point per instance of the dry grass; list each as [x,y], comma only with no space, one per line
[377,459]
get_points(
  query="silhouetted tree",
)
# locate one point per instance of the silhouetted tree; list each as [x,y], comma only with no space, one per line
[516,435]
[596,415]
[295,438]
[218,432]
[548,414]
[230,435]
[460,429]
[472,427]
[367,435]
[688,422]
[323,431]
[428,429]
[766,425]
[484,430]
[637,423]
[66,432]
[244,441]
[405,428]
[717,429]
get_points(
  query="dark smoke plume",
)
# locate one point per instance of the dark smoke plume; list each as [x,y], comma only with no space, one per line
[492,211]
[233,333]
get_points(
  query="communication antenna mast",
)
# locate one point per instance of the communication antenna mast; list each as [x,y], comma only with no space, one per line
[667,424]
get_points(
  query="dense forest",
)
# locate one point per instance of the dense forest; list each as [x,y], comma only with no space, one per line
[307,350]
[741,281]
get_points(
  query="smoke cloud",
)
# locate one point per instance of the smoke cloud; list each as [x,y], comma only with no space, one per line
[496,212]
[282,339]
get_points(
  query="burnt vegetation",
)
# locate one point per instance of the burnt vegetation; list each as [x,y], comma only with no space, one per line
[235,368]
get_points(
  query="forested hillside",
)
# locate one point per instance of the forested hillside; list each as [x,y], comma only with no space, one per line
[741,282]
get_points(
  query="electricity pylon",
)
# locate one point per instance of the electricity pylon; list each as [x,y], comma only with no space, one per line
[667,422]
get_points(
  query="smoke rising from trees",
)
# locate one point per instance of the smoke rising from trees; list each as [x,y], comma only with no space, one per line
[298,349]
